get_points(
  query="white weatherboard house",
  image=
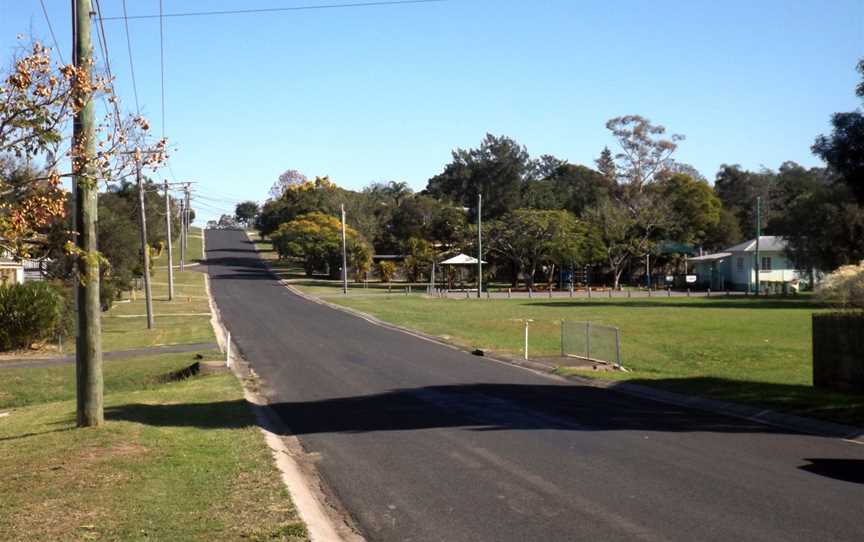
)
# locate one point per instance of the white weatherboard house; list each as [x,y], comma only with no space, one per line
[735,267]
[11,272]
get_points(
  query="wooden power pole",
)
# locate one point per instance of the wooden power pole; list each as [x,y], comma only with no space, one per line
[758,264]
[479,245]
[145,248]
[88,352]
[168,235]
[344,256]
[182,236]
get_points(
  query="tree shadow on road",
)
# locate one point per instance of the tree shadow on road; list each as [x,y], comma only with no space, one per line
[474,407]
[847,470]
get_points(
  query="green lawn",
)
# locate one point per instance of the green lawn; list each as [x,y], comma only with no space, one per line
[182,321]
[176,460]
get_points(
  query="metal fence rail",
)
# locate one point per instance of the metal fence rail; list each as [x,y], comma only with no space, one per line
[591,342]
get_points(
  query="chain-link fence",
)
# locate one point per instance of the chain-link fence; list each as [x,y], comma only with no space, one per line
[591,342]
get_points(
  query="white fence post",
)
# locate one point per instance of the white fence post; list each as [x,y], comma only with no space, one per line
[526,339]
[587,340]
[228,351]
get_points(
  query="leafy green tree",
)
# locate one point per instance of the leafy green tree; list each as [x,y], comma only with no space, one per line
[316,239]
[497,170]
[360,260]
[528,239]
[286,181]
[320,195]
[580,187]
[725,233]
[824,227]
[245,212]
[625,230]
[419,258]
[645,152]
[606,166]
[738,189]
[843,149]
[695,208]
[386,271]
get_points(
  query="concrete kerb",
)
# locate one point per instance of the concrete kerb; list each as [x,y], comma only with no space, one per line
[325,521]
[763,416]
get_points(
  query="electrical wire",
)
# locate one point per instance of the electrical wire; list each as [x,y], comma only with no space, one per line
[161,63]
[131,63]
[51,30]
[273,10]
[103,44]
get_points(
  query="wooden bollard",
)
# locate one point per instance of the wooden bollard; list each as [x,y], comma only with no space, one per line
[550,292]
[649,292]
[688,292]
[589,292]
[530,293]
[509,292]
[709,292]
[610,293]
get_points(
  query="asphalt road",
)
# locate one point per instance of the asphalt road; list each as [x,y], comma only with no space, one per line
[422,442]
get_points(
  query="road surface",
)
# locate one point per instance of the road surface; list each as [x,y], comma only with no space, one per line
[423,442]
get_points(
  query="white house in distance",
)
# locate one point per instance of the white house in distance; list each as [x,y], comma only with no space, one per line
[735,267]
[11,272]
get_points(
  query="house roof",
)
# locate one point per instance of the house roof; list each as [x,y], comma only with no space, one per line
[771,243]
[710,257]
[460,259]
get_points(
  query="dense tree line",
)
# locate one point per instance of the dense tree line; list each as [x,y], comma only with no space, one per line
[118,231]
[544,214]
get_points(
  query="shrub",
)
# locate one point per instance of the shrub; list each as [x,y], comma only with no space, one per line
[844,288]
[316,238]
[386,270]
[31,312]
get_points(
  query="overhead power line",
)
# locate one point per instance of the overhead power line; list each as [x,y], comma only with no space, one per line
[51,30]
[131,63]
[161,63]
[273,10]
[103,45]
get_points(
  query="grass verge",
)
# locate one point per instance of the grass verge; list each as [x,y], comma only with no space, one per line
[179,460]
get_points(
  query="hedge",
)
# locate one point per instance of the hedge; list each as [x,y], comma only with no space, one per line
[32,312]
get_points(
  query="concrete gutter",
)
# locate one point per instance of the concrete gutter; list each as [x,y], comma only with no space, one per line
[325,520]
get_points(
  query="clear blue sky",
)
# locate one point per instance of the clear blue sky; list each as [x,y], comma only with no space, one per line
[385,93]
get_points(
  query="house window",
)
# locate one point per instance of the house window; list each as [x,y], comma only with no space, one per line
[739,264]
[766,264]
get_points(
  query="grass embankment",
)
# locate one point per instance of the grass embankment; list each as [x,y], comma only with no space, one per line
[747,350]
[125,325]
[179,460]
